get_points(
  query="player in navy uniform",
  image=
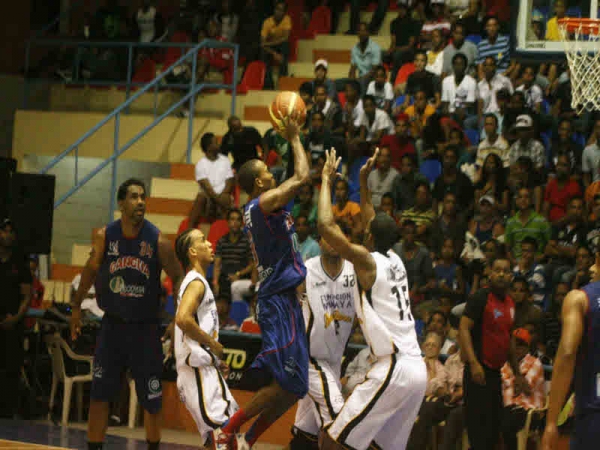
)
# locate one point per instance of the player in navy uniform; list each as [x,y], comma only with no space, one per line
[125,262]
[284,353]
[578,353]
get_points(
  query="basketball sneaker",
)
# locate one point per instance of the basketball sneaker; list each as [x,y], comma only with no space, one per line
[222,440]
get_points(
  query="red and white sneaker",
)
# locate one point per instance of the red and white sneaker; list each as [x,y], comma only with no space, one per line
[222,440]
[241,443]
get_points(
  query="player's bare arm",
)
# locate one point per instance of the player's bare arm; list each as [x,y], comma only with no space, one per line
[190,301]
[88,276]
[280,196]
[367,211]
[573,313]
[331,232]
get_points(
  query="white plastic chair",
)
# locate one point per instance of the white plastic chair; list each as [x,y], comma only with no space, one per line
[56,347]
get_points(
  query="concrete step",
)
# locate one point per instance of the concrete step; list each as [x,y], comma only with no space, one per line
[332,42]
[182,172]
[174,189]
[307,69]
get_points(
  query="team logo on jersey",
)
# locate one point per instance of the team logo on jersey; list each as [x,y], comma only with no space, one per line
[146,250]
[320,283]
[116,284]
[113,248]
[337,317]
[130,262]
[97,371]
[498,313]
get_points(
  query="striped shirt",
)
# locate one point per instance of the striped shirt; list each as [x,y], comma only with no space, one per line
[536,227]
[531,368]
[235,256]
[499,50]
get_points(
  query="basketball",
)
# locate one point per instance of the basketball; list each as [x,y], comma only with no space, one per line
[287,104]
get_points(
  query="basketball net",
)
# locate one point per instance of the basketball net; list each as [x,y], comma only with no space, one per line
[584,65]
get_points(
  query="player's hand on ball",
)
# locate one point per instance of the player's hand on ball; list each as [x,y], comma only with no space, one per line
[331,164]
[291,129]
[366,169]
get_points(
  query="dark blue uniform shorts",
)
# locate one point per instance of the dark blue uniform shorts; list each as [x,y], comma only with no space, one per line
[133,346]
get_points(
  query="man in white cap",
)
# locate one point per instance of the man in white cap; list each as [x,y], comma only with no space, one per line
[526,145]
[321,79]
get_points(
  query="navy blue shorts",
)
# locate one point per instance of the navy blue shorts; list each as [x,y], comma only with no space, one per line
[133,346]
[587,431]
[284,351]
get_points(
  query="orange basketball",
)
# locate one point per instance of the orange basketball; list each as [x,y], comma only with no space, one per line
[287,104]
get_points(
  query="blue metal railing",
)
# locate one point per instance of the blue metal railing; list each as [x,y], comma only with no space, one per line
[190,97]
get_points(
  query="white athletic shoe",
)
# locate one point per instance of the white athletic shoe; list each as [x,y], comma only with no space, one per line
[222,440]
[240,442]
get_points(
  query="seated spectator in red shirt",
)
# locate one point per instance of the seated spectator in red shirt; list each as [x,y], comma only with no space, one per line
[250,325]
[400,144]
[560,190]
[220,59]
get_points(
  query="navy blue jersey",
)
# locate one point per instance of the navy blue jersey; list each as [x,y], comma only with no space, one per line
[587,371]
[274,245]
[128,282]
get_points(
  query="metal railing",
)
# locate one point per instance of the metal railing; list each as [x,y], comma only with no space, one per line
[190,96]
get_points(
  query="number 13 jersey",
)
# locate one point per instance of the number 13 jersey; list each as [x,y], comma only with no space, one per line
[384,310]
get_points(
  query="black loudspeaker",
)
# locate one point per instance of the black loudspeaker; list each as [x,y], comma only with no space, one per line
[31,208]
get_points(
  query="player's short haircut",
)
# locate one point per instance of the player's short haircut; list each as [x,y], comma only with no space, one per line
[122,192]
[248,174]
[182,246]
[233,211]
[205,141]
[384,231]
[459,56]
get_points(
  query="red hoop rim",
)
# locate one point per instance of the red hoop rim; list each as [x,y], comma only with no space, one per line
[584,26]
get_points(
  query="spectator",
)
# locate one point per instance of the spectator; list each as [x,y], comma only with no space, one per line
[381,179]
[321,79]
[421,80]
[448,225]
[592,238]
[225,322]
[516,107]
[559,190]
[352,112]
[110,22]
[365,57]
[435,56]
[421,213]
[438,323]
[488,224]
[233,260]
[250,324]
[485,353]
[356,371]
[388,205]
[249,31]
[591,158]
[459,92]
[489,86]
[229,21]
[375,123]
[526,145]
[381,90]
[217,58]
[580,275]
[493,183]
[419,268]
[502,100]
[149,23]
[418,113]
[519,399]
[552,33]
[307,246]
[400,143]
[241,142]
[525,311]
[345,211]
[448,272]
[404,32]
[215,181]
[562,247]
[453,180]
[495,45]
[15,277]
[454,420]
[307,93]
[320,138]
[523,175]
[526,223]
[563,96]
[533,93]
[481,268]
[331,111]
[404,187]
[305,204]
[564,143]
[493,143]
[433,409]
[274,41]
[459,45]
[551,323]
[436,20]
[534,273]
[376,20]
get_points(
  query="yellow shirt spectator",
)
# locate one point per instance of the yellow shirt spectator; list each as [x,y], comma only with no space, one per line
[272,31]
[412,116]
[552,33]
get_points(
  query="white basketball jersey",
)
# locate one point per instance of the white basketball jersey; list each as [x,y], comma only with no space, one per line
[384,311]
[188,351]
[329,310]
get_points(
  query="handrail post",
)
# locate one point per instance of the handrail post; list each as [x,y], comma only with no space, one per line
[113,183]
[234,82]
[129,73]
[192,109]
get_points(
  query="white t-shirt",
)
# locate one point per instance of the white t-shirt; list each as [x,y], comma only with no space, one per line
[590,161]
[381,96]
[533,95]
[437,65]
[145,22]
[217,172]
[486,91]
[458,96]
[382,122]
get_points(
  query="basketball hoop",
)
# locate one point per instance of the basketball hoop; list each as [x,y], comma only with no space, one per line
[584,64]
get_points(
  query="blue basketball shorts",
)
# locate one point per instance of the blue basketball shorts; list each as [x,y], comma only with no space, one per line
[133,346]
[284,351]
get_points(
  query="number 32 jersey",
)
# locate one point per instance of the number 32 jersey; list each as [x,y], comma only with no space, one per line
[384,310]
[329,310]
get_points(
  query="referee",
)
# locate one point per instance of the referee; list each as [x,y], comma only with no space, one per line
[15,282]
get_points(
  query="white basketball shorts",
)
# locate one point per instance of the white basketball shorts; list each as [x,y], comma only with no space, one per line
[324,400]
[383,408]
[205,394]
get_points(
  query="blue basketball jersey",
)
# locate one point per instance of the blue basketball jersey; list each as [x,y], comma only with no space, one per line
[587,371]
[128,282]
[274,245]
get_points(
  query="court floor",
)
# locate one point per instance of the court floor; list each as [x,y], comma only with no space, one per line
[42,435]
